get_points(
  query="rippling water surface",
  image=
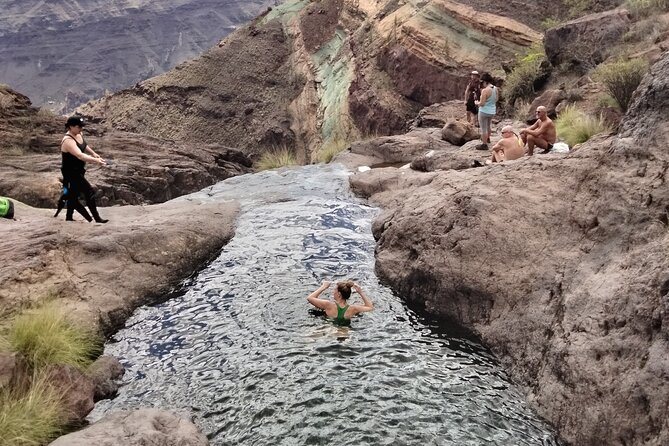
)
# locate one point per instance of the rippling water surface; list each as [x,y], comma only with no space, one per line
[241,350]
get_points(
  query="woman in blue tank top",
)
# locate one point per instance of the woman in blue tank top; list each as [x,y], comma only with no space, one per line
[340,310]
[487,107]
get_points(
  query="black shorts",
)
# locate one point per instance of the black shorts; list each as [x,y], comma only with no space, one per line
[472,108]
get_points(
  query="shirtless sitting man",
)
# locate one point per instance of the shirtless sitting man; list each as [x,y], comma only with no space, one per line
[541,134]
[508,148]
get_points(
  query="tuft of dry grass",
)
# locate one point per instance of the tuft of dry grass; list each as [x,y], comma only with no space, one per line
[330,150]
[44,336]
[276,158]
[575,126]
[31,417]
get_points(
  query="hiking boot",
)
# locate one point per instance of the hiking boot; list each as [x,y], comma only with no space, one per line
[482,146]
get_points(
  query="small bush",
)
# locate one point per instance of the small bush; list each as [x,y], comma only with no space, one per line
[520,110]
[646,30]
[576,127]
[550,22]
[519,84]
[577,8]
[330,150]
[276,158]
[43,336]
[30,418]
[646,8]
[606,101]
[621,78]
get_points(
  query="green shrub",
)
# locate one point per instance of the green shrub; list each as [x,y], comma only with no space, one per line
[646,30]
[44,336]
[330,150]
[621,78]
[606,101]
[575,126]
[577,8]
[646,8]
[550,22]
[32,417]
[274,159]
[519,84]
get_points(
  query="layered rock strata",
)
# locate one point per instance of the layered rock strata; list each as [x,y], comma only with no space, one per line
[308,73]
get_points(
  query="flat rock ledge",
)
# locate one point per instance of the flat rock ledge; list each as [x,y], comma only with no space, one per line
[101,272]
[137,428]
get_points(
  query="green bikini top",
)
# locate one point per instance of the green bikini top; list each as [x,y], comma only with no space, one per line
[340,315]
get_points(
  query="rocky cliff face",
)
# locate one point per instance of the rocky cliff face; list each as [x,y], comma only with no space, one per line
[559,263]
[142,169]
[63,53]
[312,72]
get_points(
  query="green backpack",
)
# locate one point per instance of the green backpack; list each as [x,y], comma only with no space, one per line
[6,208]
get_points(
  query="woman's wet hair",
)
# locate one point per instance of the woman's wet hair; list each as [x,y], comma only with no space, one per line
[344,288]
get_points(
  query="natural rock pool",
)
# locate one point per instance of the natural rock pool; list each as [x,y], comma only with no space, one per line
[241,350]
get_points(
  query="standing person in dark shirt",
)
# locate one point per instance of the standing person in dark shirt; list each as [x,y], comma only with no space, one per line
[76,153]
[473,94]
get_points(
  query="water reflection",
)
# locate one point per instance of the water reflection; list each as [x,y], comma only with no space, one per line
[242,352]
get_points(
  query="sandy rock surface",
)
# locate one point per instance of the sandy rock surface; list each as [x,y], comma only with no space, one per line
[101,272]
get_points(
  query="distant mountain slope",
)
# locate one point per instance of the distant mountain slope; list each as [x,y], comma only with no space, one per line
[310,73]
[61,53]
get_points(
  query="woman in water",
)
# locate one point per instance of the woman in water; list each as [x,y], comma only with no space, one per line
[340,310]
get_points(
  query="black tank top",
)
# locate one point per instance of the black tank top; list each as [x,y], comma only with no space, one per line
[70,162]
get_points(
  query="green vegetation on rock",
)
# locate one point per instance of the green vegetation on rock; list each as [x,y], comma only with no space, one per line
[519,84]
[646,8]
[274,159]
[574,126]
[621,78]
[43,336]
[329,150]
[31,417]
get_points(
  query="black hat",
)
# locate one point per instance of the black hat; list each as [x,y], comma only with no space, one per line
[75,120]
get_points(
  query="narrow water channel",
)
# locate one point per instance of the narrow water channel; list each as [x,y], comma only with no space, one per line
[242,352]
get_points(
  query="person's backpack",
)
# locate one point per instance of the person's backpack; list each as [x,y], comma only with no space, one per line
[6,208]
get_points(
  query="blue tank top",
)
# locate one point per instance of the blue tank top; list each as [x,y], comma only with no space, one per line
[490,106]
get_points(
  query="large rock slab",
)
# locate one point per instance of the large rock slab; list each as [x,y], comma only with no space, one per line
[585,41]
[559,263]
[141,427]
[101,273]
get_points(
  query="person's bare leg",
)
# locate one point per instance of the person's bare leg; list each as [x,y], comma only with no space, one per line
[469,117]
[530,145]
[543,144]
